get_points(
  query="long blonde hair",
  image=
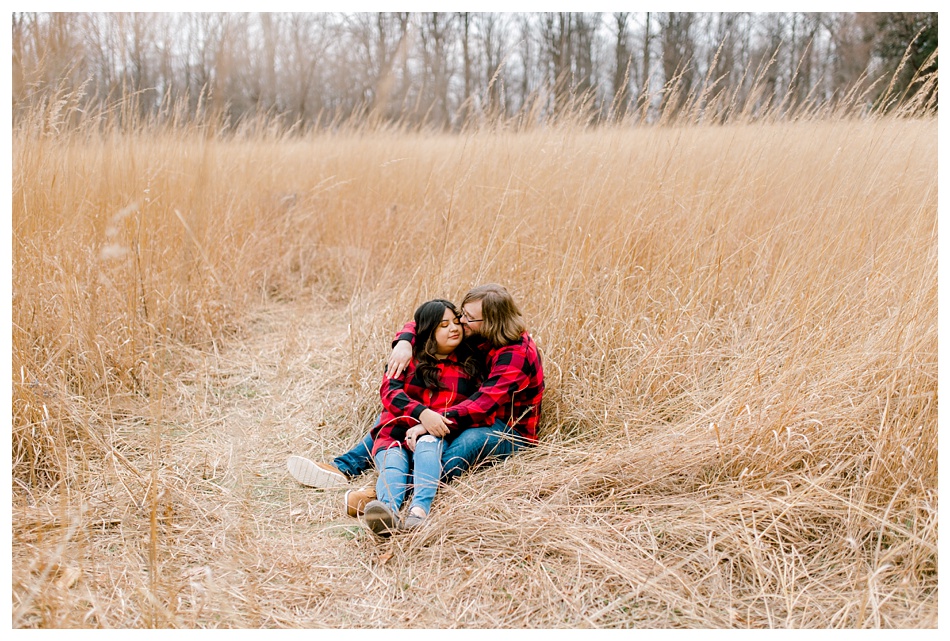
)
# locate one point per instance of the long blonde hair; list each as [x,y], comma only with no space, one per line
[503,323]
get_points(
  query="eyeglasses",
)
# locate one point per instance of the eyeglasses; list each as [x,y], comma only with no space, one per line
[468,318]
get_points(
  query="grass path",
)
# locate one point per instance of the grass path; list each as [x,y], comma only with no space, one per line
[287,552]
[238,542]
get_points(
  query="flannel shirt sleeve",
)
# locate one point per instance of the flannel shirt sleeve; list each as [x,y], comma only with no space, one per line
[407,333]
[395,400]
[506,377]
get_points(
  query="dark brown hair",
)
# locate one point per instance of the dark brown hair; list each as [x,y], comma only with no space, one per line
[427,318]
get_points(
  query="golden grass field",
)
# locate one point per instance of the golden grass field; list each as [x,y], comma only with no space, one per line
[739,332]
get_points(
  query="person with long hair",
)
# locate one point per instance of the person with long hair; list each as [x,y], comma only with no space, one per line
[499,419]
[439,375]
[502,416]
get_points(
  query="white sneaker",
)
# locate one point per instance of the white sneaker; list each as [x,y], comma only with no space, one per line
[321,475]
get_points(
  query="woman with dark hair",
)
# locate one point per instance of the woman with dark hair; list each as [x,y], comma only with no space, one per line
[499,419]
[439,376]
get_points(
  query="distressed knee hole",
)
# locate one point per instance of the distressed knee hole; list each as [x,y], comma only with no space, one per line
[428,438]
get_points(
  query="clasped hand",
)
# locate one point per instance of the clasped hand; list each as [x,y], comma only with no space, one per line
[430,423]
[413,434]
[435,424]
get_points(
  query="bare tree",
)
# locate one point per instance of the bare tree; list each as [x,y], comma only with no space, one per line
[308,43]
[465,20]
[585,30]
[528,59]
[678,57]
[557,41]
[766,58]
[381,40]
[623,63]
[644,95]
[49,54]
[444,68]
[492,39]
[851,36]
[437,31]
[804,30]
[264,92]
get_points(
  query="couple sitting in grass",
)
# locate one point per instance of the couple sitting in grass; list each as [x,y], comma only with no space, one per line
[462,387]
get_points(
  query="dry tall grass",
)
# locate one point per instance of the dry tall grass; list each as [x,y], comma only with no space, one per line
[739,327]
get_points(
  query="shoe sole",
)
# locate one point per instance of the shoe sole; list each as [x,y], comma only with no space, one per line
[308,473]
[379,519]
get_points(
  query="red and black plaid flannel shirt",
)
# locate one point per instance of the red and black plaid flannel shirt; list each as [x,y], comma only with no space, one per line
[511,392]
[406,397]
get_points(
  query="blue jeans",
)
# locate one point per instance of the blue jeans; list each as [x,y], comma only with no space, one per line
[478,445]
[394,478]
[470,448]
[357,460]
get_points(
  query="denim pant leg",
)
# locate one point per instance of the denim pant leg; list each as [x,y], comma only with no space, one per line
[478,444]
[357,460]
[393,481]
[426,469]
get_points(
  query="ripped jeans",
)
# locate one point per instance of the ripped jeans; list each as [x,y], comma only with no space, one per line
[472,447]
[395,480]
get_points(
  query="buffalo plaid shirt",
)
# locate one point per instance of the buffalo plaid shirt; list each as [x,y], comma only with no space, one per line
[406,397]
[511,392]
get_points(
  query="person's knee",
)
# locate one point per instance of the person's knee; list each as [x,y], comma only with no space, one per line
[429,445]
[390,457]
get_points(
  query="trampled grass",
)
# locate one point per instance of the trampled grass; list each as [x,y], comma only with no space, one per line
[739,331]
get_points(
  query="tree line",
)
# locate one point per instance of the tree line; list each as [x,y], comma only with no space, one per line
[446,70]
